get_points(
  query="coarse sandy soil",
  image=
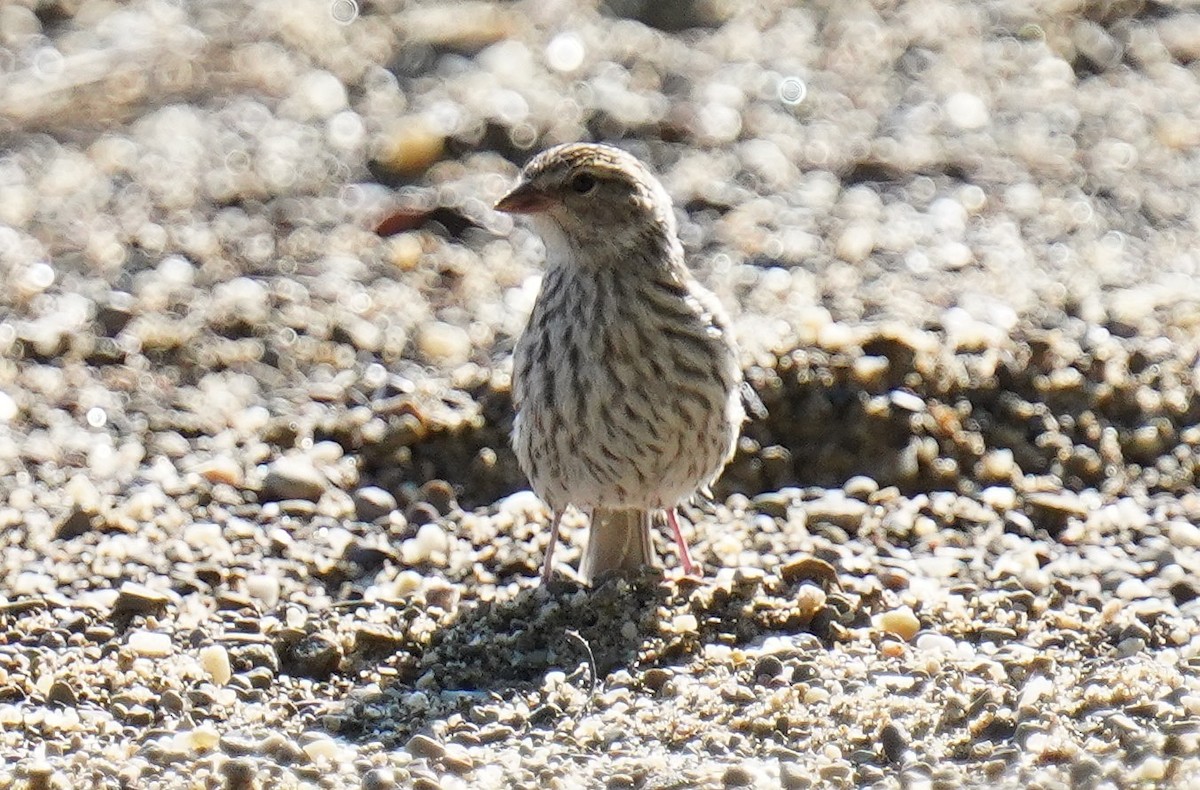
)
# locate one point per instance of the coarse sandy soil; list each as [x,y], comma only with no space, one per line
[259,522]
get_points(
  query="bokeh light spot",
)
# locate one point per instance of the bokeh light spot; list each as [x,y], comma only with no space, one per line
[343,11]
[792,90]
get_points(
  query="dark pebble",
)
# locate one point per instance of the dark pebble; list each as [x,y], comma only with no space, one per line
[738,776]
[655,678]
[768,667]
[368,557]
[377,638]
[1185,591]
[421,513]
[440,495]
[114,312]
[239,773]
[135,599]
[255,656]
[77,523]
[315,656]
[895,742]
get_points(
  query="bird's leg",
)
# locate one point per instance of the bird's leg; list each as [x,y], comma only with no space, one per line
[547,562]
[685,556]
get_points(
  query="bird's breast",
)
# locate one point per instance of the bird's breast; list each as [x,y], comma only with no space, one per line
[624,390]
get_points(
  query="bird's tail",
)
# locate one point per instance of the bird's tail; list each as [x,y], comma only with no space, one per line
[617,540]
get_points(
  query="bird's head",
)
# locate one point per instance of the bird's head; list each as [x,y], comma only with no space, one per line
[592,197]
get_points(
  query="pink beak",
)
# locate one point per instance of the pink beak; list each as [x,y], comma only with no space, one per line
[524,199]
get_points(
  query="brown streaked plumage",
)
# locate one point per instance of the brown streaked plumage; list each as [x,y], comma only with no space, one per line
[626,380]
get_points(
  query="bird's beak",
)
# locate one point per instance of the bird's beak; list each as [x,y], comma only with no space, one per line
[524,199]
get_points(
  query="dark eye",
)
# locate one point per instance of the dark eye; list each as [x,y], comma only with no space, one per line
[582,183]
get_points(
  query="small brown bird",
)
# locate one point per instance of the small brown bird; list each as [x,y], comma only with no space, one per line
[626,381]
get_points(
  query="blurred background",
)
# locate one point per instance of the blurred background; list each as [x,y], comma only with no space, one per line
[960,238]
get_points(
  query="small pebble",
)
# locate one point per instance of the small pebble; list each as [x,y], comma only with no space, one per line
[935,643]
[222,469]
[214,659]
[423,746]
[264,588]
[149,644]
[444,344]
[430,544]
[738,776]
[292,477]
[373,502]
[901,622]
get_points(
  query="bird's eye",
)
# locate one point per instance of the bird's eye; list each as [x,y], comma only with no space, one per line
[582,183]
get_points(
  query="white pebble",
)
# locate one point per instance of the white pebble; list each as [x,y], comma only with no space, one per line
[967,111]
[323,93]
[524,503]
[444,343]
[684,624]
[938,644]
[1183,534]
[8,407]
[810,599]
[264,587]
[953,255]
[855,244]
[149,644]
[407,583]
[204,535]
[432,538]
[326,452]
[1152,769]
[31,584]
[835,336]
[201,739]
[1133,589]
[320,747]
[175,272]
[83,492]
[998,464]
[1038,687]
[901,622]
[815,696]
[999,497]
[214,659]
[429,545]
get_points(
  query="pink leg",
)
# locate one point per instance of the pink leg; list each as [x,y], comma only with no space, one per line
[685,556]
[546,563]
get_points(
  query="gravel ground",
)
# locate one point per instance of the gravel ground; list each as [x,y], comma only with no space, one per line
[260,523]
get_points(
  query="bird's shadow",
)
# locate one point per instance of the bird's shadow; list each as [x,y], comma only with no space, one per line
[497,655]
[559,626]
[505,649]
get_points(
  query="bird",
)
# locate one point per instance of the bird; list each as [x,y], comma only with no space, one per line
[626,380]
